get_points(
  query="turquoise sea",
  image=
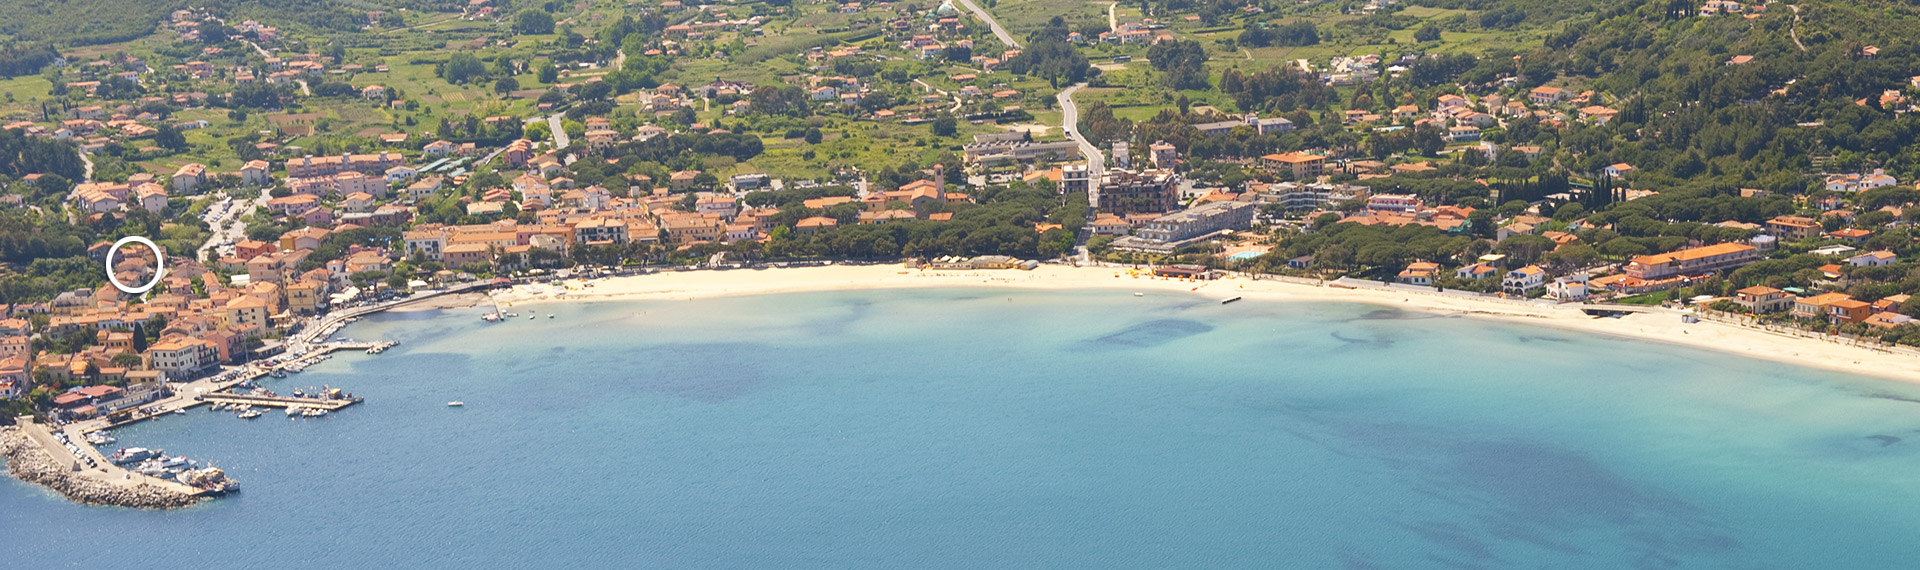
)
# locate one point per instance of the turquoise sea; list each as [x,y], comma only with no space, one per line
[980,428]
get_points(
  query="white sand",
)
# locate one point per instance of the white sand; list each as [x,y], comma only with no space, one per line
[1663,326]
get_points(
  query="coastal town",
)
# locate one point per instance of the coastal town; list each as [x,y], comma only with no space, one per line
[293,175]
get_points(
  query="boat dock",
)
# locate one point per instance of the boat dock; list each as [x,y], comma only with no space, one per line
[102,470]
[279,401]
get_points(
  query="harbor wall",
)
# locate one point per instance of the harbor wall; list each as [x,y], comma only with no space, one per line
[27,461]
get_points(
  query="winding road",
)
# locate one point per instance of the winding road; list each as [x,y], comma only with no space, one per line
[1792,29]
[1070,112]
[1070,119]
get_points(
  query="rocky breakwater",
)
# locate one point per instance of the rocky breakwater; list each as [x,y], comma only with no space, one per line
[28,462]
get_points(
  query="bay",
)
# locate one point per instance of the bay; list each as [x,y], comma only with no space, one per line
[969,428]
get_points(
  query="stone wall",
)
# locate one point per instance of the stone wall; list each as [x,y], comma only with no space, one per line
[27,462]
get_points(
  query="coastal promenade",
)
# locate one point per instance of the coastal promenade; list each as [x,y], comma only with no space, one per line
[336,319]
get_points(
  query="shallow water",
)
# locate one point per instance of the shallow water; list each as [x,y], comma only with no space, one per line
[972,428]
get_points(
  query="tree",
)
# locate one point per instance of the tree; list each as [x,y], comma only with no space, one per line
[945,125]
[1183,62]
[211,31]
[813,135]
[126,360]
[461,67]
[546,72]
[170,138]
[532,22]
[1427,34]
[506,85]
[1524,249]
[596,91]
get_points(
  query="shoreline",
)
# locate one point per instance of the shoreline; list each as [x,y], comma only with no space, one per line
[1657,327]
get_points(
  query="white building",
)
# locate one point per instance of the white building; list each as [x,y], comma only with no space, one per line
[1569,288]
[1524,280]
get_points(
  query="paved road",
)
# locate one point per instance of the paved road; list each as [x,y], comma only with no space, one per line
[1070,120]
[1113,20]
[87,160]
[1792,29]
[1096,163]
[992,24]
[559,134]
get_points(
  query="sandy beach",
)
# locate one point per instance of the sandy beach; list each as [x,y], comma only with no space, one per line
[1662,327]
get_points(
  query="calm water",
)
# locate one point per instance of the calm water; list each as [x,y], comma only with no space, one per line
[974,429]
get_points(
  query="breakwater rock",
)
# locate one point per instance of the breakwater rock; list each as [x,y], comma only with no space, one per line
[27,462]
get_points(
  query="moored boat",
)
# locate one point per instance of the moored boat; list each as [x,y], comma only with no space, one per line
[131,455]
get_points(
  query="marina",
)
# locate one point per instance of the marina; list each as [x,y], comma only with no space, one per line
[69,460]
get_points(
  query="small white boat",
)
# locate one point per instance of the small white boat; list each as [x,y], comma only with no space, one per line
[1139,294]
[181,411]
[529,317]
[249,414]
[456,404]
[549,316]
[291,410]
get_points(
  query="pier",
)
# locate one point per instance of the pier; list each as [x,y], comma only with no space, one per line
[101,482]
[68,470]
[76,469]
[279,401]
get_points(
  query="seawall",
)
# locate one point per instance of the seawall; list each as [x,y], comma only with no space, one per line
[28,462]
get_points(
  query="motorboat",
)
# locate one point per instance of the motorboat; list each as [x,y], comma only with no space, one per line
[151,468]
[181,411]
[291,410]
[131,455]
[1229,300]
[249,414]
[456,404]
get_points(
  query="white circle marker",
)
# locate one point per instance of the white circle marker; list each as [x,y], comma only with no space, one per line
[159,265]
